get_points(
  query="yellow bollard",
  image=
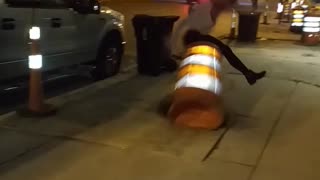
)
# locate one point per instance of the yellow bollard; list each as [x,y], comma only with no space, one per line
[311,29]
[265,14]
[196,101]
[232,34]
[36,106]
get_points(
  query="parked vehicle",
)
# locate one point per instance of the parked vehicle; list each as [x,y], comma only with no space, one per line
[72,32]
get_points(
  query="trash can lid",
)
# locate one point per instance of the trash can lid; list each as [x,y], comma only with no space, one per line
[142,19]
[170,19]
[249,13]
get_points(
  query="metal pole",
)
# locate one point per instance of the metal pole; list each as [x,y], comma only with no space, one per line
[265,14]
[233,24]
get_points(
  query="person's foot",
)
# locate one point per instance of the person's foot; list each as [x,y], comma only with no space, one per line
[252,77]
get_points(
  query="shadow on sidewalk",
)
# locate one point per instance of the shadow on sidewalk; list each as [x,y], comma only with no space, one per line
[108,106]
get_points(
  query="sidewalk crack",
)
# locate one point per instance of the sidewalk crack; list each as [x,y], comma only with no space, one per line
[61,137]
[270,135]
[4,163]
[220,138]
[235,162]
[284,79]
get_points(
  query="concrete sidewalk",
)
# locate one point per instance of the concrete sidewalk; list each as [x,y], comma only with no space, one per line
[270,31]
[112,130]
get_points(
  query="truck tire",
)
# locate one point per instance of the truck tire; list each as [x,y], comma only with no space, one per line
[109,57]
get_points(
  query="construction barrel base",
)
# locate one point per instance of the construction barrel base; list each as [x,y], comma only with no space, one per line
[196,108]
[310,39]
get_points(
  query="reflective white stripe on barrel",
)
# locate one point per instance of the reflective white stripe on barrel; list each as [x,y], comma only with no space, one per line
[204,82]
[311,30]
[297,24]
[311,24]
[200,69]
[298,16]
[312,18]
[201,59]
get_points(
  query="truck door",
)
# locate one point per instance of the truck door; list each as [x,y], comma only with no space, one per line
[14,38]
[89,29]
[57,42]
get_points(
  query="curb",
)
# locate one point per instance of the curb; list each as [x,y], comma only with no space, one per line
[125,74]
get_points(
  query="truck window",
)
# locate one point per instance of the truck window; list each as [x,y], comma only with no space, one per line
[38,3]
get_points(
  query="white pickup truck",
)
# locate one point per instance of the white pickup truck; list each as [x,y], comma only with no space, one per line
[72,32]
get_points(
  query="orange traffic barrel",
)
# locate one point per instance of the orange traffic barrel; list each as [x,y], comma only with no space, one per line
[196,101]
[311,29]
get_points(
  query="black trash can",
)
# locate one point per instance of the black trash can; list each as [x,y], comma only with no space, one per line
[152,35]
[248,26]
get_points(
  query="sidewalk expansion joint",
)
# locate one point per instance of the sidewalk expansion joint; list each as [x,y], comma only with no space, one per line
[297,81]
[245,116]
[305,82]
[270,135]
[226,37]
[4,163]
[61,137]
[235,162]
[220,138]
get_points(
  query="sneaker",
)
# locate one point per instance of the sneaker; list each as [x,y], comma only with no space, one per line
[252,77]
